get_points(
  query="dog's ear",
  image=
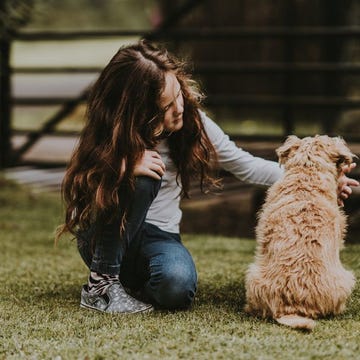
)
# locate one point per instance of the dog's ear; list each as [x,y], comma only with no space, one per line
[341,154]
[292,143]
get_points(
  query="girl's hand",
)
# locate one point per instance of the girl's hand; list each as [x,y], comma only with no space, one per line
[150,165]
[345,183]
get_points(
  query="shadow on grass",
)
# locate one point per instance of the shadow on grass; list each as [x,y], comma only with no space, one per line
[45,296]
[63,293]
[228,296]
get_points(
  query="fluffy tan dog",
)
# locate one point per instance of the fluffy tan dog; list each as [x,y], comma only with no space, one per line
[297,275]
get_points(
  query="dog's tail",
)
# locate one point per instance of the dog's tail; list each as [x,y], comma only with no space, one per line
[297,322]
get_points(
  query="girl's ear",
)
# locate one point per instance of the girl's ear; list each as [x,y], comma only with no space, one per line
[283,152]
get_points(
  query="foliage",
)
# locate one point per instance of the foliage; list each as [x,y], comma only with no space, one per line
[41,319]
[80,14]
[92,14]
[14,14]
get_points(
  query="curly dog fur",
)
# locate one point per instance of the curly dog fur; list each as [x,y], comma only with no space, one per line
[297,275]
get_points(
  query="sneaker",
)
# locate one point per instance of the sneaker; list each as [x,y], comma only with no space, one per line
[114,300]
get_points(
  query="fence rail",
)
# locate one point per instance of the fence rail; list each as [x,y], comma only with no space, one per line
[218,67]
[228,99]
[204,33]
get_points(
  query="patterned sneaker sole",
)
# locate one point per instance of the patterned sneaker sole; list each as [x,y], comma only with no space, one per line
[146,310]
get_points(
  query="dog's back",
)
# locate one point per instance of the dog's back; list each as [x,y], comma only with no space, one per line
[297,272]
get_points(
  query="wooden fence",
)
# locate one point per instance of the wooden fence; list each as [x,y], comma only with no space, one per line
[287,102]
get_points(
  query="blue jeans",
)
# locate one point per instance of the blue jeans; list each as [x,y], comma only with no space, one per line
[146,258]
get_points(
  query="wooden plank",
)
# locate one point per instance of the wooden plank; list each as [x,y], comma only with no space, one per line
[204,33]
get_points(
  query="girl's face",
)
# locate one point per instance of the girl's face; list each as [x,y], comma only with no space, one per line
[172,104]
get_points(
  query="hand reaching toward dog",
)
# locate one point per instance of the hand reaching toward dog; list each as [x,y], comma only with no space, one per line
[150,164]
[345,183]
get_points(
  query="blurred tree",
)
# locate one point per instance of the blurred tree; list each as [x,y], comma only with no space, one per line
[14,14]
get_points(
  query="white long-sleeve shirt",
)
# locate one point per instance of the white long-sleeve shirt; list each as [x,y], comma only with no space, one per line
[165,210]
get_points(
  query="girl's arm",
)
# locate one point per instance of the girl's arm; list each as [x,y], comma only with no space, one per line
[256,170]
[240,163]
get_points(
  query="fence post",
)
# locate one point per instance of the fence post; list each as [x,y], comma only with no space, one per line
[5,103]
[289,17]
[334,15]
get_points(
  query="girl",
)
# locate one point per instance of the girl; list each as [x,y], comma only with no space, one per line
[144,140]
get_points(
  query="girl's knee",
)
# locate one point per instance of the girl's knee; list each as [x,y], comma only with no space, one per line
[175,288]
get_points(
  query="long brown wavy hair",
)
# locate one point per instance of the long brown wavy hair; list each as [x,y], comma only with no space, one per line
[123,118]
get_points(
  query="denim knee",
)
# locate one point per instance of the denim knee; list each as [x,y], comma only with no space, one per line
[173,286]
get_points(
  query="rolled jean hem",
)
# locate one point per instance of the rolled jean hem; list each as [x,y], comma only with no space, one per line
[102,268]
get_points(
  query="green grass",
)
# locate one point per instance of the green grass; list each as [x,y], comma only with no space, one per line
[40,316]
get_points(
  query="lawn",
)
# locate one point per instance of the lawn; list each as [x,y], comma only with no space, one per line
[41,318]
